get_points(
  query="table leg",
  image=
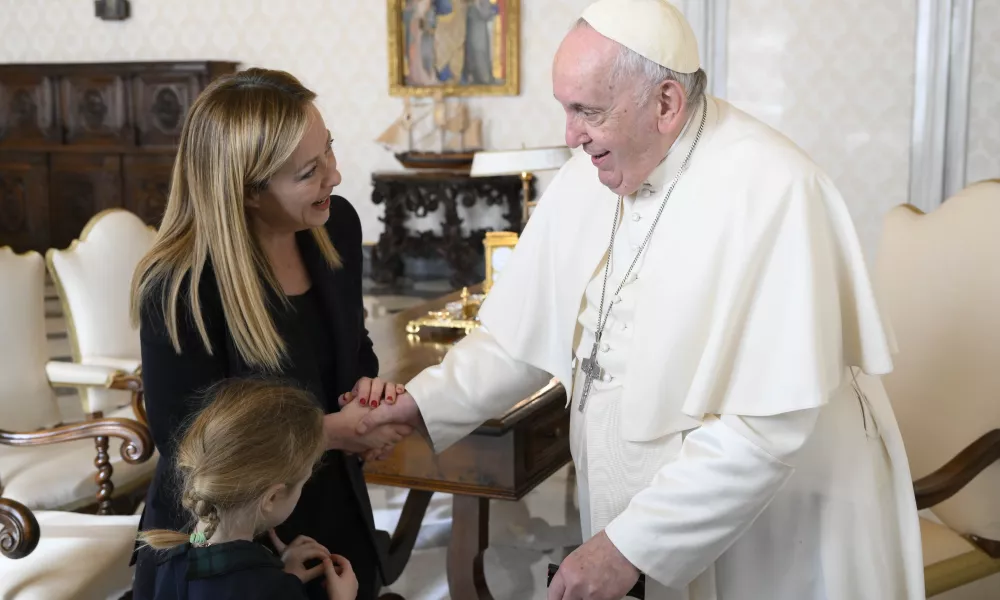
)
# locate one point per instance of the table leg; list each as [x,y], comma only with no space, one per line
[405,535]
[470,535]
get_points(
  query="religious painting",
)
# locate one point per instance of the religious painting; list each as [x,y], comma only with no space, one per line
[454,47]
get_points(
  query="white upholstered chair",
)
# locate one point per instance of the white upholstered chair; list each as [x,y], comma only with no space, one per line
[940,278]
[66,476]
[55,555]
[93,278]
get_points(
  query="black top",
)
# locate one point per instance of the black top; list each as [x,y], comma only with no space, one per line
[343,517]
[305,320]
[173,385]
[238,570]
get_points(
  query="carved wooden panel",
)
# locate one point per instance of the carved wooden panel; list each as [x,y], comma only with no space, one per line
[24,201]
[67,132]
[95,110]
[147,182]
[81,186]
[161,102]
[28,112]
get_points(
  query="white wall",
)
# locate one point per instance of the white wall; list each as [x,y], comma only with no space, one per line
[837,78]
[983,159]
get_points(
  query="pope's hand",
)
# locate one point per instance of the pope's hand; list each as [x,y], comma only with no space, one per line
[594,571]
[403,411]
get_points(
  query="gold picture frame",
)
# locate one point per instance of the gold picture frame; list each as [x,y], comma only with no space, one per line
[409,20]
[495,243]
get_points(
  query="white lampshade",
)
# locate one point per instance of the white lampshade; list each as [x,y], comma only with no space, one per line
[511,162]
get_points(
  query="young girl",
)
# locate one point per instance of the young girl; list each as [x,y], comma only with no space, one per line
[242,465]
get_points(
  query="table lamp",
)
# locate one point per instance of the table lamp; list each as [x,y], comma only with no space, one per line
[522,162]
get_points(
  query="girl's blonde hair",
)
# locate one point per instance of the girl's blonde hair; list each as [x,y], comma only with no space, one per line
[239,132]
[252,435]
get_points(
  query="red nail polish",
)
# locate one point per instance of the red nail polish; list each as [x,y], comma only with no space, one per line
[374,403]
[389,399]
[364,402]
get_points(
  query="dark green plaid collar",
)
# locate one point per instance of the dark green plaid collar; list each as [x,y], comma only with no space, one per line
[221,559]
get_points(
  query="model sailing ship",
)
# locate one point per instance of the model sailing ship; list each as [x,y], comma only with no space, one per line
[434,137]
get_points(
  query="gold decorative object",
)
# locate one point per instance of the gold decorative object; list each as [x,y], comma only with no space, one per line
[463,314]
[497,246]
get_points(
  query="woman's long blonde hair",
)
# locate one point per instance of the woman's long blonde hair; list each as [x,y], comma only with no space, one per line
[252,435]
[239,132]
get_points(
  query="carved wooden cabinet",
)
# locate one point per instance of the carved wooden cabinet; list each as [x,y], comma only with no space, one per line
[78,138]
[424,192]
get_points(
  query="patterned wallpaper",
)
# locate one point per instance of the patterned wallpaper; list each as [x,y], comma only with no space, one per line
[983,159]
[837,78]
[337,47]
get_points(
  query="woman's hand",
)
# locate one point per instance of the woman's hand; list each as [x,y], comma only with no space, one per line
[372,392]
[296,554]
[341,583]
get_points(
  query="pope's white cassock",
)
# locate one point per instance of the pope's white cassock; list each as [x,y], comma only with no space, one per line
[740,445]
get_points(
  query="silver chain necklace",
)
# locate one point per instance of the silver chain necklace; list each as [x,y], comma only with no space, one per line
[590,366]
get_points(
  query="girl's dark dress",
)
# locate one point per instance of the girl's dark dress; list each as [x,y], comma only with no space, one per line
[230,571]
[328,351]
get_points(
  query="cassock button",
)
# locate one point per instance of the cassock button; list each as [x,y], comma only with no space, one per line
[636,217]
[605,348]
[624,326]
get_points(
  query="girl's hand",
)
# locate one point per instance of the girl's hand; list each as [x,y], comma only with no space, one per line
[296,554]
[341,583]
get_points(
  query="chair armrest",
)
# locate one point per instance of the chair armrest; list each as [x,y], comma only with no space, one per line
[69,374]
[19,531]
[131,366]
[945,482]
[125,375]
[137,442]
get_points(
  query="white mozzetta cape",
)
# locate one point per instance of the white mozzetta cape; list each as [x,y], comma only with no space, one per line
[753,298]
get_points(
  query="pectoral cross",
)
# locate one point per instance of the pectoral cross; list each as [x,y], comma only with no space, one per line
[592,370]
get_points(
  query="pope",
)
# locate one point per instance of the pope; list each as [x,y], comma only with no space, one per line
[696,283]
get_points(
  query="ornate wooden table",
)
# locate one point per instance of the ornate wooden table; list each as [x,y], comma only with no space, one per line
[504,459]
[424,192]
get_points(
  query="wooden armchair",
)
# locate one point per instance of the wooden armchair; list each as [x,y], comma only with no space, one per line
[940,278]
[93,277]
[53,555]
[59,477]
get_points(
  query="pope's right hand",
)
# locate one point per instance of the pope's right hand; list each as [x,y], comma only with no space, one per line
[403,411]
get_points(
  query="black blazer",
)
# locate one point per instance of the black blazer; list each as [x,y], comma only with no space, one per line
[174,383]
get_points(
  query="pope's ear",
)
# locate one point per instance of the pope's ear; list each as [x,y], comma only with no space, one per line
[671,104]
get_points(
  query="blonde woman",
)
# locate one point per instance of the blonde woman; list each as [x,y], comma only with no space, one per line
[257,270]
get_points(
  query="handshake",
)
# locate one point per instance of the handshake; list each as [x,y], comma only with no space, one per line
[374,416]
